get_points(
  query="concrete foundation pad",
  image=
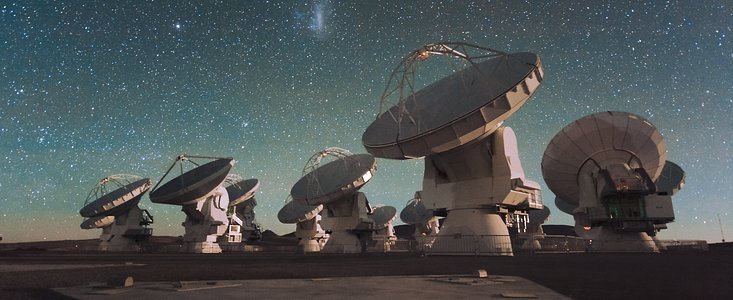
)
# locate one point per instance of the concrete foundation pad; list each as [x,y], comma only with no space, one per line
[376,287]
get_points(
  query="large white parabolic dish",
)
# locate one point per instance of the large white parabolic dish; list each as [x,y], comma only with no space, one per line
[457,109]
[190,187]
[597,141]
[243,190]
[118,201]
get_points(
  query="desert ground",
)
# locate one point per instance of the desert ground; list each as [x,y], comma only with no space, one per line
[27,269]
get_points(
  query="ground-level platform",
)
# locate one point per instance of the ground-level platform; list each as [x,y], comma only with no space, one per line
[370,287]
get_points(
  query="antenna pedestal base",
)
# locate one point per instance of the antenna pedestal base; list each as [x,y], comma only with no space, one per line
[118,237]
[609,240]
[383,239]
[473,232]
[201,235]
[532,242]
[342,241]
[533,236]
[308,246]
[312,237]
[351,228]
[201,247]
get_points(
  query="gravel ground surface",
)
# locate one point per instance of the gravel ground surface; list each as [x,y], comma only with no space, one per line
[693,275]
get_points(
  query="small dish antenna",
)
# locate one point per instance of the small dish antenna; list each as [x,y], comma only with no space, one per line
[312,237]
[242,223]
[609,170]
[426,223]
[473,175]
[335,185]
[112,205]
[203,198]
[384,234]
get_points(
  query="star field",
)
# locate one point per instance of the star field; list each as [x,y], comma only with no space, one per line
[91,89]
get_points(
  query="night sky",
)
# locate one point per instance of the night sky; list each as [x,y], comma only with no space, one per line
[94,88]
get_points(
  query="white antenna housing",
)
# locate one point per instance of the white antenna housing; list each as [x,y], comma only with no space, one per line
[335,185]
[606,169]
[112,205]
[242,223]
[473,175]
[203,199]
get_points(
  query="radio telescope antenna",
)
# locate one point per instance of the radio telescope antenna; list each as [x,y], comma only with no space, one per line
[426,223]
[203,198]
[242,223]
[384,235]
[609,169]
[335,185]
[112,205]
[452,122]
[401,83]
[312,237]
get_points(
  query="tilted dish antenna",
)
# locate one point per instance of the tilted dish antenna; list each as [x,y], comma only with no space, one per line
[597,141]
[112,205]
[672,178]
[242,224]
[335,185]
[114,195]
[382,215]
[415,211]
[294,212]
[240,189]
[384,234]
[452,122]
[191,186]
[203,198]
[97,222]
[335,180]
[426,223]
[605,167]
[466,105]
[307,218]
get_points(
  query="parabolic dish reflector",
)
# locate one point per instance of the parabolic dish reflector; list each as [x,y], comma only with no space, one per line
[382,215]
[296,212]
[334,180]
[97,222]
[242,191]
[118,201]
[672,178]
[455,110]
[190,187]
[415,212]
[597,141]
